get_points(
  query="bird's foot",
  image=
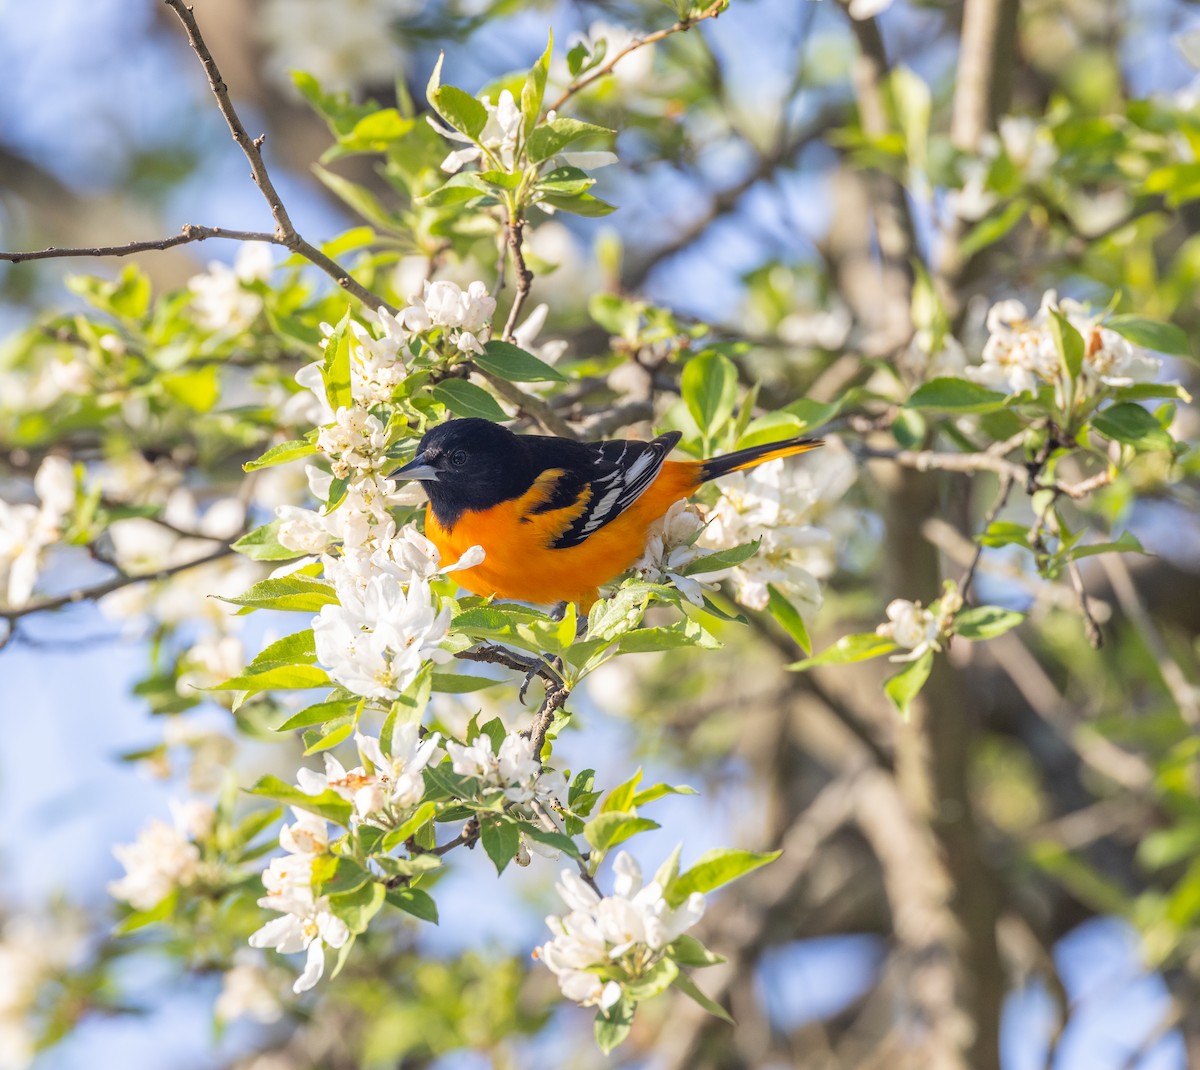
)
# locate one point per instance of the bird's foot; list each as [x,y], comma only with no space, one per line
[549,668]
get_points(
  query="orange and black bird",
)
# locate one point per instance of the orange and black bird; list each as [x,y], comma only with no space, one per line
[556,518]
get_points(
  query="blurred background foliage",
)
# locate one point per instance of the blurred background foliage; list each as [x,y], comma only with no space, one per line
[802,178]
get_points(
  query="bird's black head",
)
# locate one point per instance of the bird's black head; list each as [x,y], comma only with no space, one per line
[469,464]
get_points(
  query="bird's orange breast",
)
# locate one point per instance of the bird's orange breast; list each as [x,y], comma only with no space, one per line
[520,561]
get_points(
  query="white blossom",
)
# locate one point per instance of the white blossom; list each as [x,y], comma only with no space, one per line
[671,547]
[247,991]
[513,769]
[307,835]
[28,530]
[219,297]
[306,925]
[625,931]
[397,777]
[1020,354]
[354,441]
[211,661]
[913,627]
[376,644]
[777,503]
[349,45]
[159,861]
[499,137]
[867,9]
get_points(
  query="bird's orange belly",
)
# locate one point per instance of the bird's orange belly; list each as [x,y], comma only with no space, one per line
[520,564]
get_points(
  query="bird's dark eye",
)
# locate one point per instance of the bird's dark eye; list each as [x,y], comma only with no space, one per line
[458,457]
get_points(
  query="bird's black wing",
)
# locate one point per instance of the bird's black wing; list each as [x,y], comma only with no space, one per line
[614,475]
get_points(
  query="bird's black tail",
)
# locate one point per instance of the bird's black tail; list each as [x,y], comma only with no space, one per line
[748,458]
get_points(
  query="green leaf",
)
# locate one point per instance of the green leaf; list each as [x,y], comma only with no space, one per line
[907,683]
[461,684]
[327,738]
[621,797]
[1069,343]
[709,385]
[422,814]
[991,230]
[461,110]
[467,399]
[356,908]
[721,559]
[1134,426]
[360,199]
[556,840]
[262,544]
[653,983]
[514,364]
[607,830]
[613,1028]
[196,388]
[1127,542]
[535,88]
[848,649]
[948,394]
[812,413]
[689,988]
[415,901]
[1161,337]
[283,677]
[583,204]
[688,951]
[659,791]
[549,139]
[986,622]
[318,713]
[788,618]
[501,839]
[298,648]
[293,592]
[347,876]
[460,189]
[715,868]
[328,804]
[281,453]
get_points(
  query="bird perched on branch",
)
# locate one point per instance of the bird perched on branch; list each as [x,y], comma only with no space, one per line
[556,518]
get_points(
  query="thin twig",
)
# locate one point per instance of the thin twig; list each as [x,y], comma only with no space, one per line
[514,234]
[285,231]
[1185,694]
[122,579]
[605,69]
[533,407]
[1006,486]
[189,232]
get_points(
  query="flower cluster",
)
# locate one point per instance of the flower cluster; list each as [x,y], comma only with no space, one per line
[780,504]
[221,300]
[27,530]
[671,548]
[606,941]
[1020,354]
[306,922]
[382,796]
[512,769]
[164,857]
[913,627]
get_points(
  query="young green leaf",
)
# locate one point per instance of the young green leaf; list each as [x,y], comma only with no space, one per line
[709,386]
[986,622]
[1134,426]
[328,804]
[848,649]
[281,453]
[690,989]
[515,364]
[501,839]
[951,395]
[907,683]
[715,868]
[466,399]
[1161,337]
[262,544]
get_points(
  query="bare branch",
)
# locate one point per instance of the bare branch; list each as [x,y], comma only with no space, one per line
[514,233]
[190,232]
[285,231]
[606,68]
[122,579]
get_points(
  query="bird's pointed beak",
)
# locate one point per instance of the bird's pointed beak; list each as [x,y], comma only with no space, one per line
[418,468]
